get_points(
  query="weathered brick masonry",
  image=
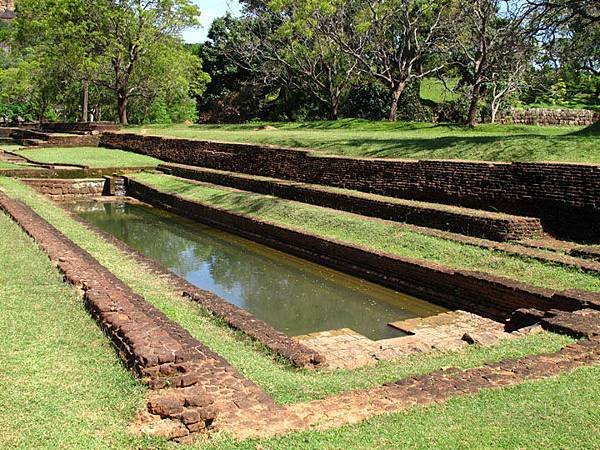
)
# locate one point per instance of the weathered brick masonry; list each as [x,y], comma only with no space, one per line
[195,385]
[485,224]
[565,196]
[42,139]
[482,294]
[68,189]
[78,127]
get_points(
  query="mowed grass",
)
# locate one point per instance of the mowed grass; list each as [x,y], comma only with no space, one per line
[407,140]
[8,165]
[561,412]
[61,384]
[286,384]
[378,235]
[94,157]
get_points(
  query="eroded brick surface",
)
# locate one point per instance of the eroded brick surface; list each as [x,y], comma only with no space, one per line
[68,189]
[461,220]
[565,196]
[488,295]
[194,386]
[452,331]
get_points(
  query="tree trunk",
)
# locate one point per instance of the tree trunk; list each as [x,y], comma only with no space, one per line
[122,105]
[84,113]
[333,110]
[396,93]
[472,115]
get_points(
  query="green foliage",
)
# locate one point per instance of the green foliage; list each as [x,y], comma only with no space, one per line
[129,53]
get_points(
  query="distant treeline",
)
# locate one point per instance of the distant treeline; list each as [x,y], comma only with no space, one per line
[425,60]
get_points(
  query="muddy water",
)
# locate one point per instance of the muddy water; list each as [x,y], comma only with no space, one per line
[293,295]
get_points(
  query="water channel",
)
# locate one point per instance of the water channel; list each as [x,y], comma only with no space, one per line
[291,294]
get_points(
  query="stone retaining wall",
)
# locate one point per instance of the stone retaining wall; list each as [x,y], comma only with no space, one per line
[482,294]
[68,189]
[78,127]
[43,139]
[483,224]
[565,196]
[541,116]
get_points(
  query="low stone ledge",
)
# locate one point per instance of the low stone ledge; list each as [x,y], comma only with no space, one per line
[476,292]
[485,224]
[50,171]
[68,189]
[172,362]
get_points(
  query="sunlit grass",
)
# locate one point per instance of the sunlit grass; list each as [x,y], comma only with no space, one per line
[95,157]
[406,140]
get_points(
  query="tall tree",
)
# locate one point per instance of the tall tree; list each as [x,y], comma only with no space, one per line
[109,43]
[494,41]
[394,41]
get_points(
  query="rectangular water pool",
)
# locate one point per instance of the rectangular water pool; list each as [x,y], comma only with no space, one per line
[291,294]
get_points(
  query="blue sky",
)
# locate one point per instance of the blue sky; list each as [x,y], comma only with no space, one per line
[211,9]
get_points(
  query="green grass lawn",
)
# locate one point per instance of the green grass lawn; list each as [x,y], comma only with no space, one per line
[69,391]
[378,235]
[556,413]
[62,386]
[8,165]
[406,140]
[94,157]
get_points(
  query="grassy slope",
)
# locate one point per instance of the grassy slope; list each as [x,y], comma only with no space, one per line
[62,385]
[89,156]
[283,382]
[408,140]
[378,235]
[7,165]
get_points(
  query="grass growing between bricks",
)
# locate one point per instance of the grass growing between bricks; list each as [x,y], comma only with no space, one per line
[555,413]
[377,235]
[95,157]
[286,384]
[352,137]
[62,386]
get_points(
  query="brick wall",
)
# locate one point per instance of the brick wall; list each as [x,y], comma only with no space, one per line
[565,196]
[483,294]
[539,116]
[68,189]
[78,127]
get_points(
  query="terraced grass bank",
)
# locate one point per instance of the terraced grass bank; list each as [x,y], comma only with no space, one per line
[275,376]
[376,235]
[405,140]
[94,157]
[562,196]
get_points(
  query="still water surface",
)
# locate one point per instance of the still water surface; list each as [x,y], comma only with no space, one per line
[293,295]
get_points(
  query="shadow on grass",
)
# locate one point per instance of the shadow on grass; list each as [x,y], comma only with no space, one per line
[514,147]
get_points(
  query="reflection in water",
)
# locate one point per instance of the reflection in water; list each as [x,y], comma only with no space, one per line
[293,295]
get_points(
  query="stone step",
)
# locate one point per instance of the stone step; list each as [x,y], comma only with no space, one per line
[466,221]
